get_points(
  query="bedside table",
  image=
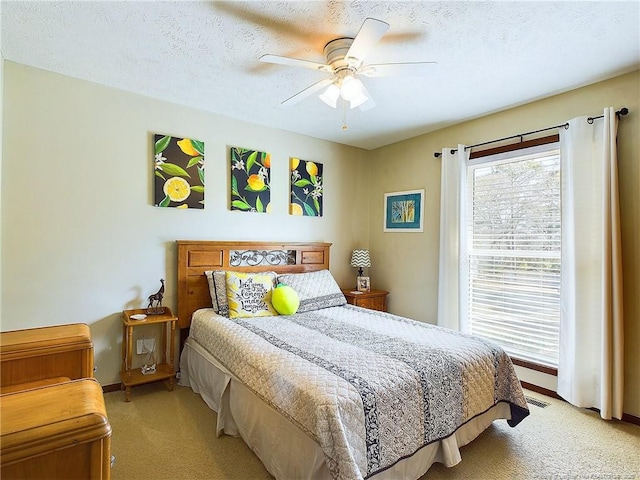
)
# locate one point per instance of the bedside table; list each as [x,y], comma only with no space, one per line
[164,367]
[374,299]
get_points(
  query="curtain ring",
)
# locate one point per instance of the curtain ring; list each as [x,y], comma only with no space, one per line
[453,151]
[590,120]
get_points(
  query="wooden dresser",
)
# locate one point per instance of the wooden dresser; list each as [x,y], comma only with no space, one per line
[55,432]
[46,355]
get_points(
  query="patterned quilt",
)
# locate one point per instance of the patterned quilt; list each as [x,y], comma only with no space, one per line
[370,387]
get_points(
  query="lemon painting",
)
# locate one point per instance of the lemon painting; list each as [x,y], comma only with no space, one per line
[250,174]
[306,188]
[178,167]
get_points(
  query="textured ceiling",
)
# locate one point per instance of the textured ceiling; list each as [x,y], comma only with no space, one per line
[491,55]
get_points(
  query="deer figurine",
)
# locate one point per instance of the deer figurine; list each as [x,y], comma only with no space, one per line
[157,299]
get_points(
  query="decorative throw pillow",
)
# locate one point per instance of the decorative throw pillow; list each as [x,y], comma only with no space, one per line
[212,290]
[249,294]
[285,300]
[221,292]
[315,289]
[218,291]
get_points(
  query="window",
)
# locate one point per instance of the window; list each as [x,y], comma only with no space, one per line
[513,243]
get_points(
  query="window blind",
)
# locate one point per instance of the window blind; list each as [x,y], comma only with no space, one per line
[513,240]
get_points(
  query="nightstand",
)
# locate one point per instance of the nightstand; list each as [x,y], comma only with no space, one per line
[164,368]
[374,299]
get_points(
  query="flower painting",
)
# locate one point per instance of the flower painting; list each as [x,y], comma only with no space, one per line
[178,172]
[250,174]
[306,188]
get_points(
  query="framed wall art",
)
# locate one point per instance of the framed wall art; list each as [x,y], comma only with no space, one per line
[306,188]
[250,180]
[178,166]
[404,211]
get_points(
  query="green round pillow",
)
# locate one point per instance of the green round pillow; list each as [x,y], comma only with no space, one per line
[285,300]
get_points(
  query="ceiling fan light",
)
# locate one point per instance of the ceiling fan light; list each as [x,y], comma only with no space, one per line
[330,95]
[359,100]
[351,88]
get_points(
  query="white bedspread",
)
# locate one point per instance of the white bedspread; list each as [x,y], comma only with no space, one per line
[371,388]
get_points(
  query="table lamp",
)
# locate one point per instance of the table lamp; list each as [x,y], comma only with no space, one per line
[361,259]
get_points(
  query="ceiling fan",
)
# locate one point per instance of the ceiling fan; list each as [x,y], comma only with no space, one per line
[345,62]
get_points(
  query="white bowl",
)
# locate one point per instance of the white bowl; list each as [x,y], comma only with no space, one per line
[139,316]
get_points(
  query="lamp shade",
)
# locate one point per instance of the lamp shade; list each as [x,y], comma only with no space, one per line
[351,88]
[360,258]
[357,101]
[330,96]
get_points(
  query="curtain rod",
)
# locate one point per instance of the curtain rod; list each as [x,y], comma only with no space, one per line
[622,111]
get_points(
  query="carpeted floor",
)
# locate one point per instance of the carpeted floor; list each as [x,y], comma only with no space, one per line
[171,435]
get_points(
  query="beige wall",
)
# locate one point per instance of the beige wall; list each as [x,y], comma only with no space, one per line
[81,238]
[407,263]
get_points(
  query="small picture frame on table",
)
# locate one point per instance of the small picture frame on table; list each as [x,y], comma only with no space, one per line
[363,284]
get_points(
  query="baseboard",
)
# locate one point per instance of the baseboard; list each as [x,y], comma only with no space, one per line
[550,393]
[625,417]
[110,388]
[541,390]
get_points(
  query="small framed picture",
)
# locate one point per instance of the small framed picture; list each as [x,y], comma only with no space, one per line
[364,284]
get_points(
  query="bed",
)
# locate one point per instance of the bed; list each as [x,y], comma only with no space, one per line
[333,391]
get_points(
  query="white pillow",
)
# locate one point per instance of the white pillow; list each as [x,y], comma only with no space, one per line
[316,289]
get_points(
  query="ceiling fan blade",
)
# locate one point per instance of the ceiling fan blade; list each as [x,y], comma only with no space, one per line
[308,91]
[370,33]
[411,69]
[296,62]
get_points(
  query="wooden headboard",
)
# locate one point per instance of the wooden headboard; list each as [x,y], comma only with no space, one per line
[197,256]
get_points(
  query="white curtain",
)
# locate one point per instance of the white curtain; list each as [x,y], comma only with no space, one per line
[453,253]
[590,369]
